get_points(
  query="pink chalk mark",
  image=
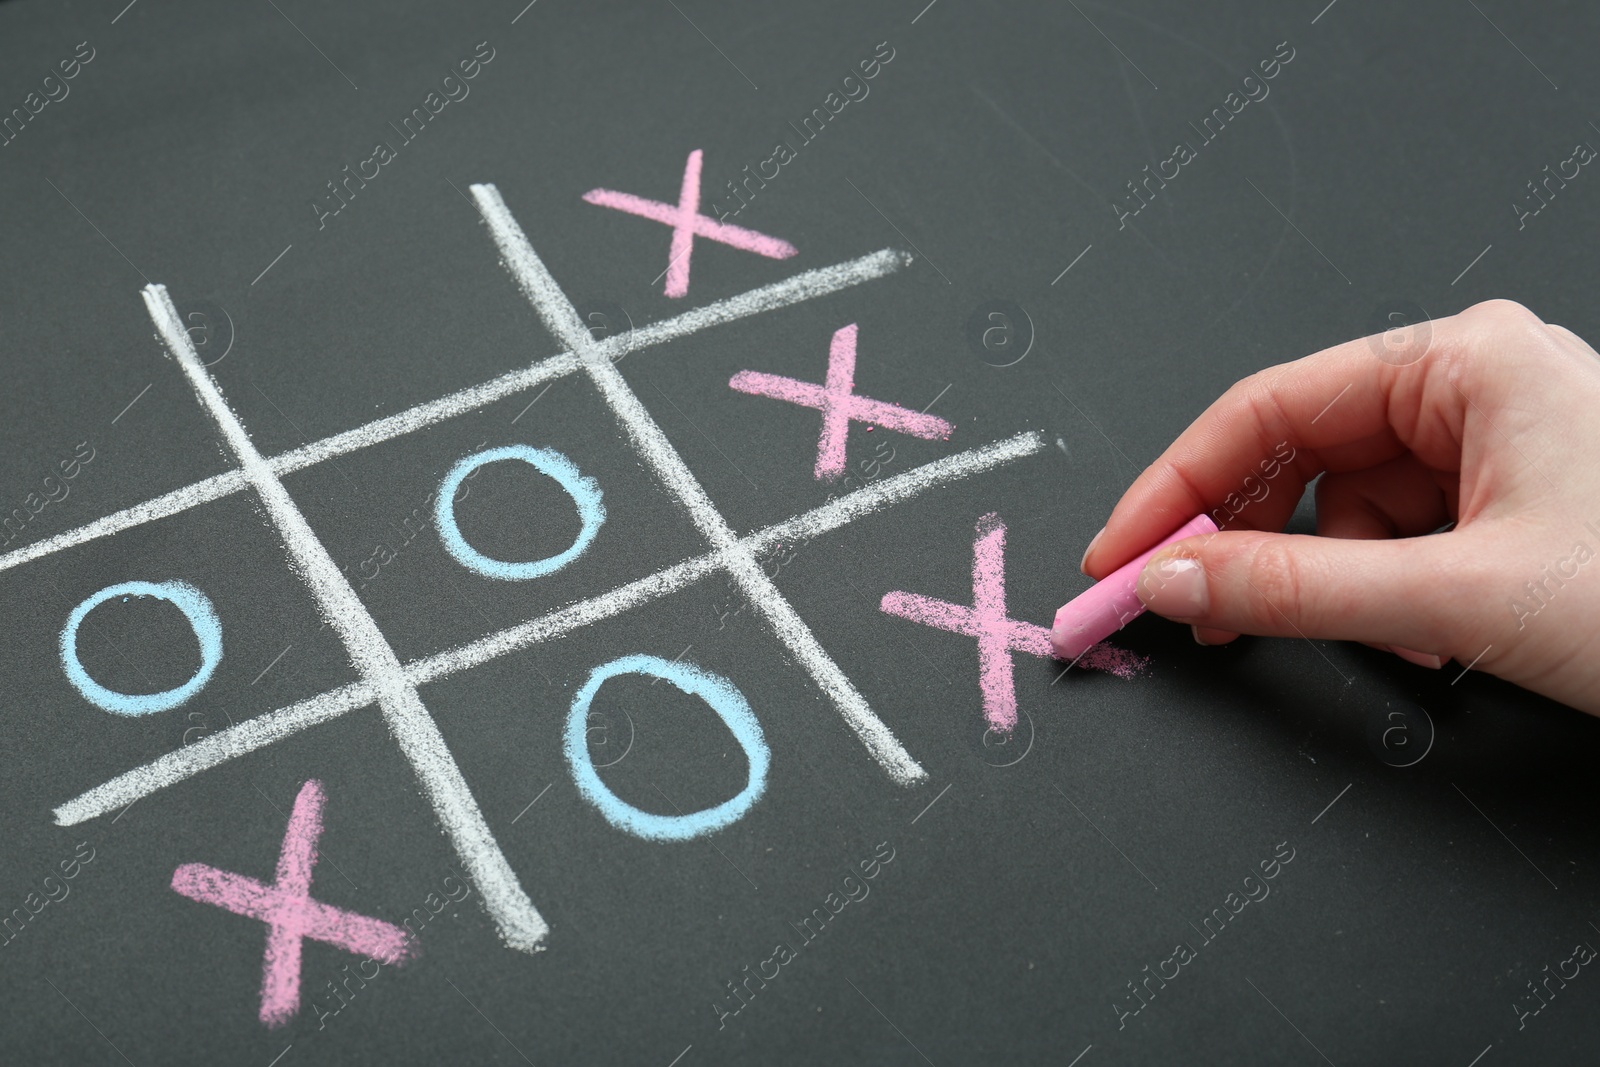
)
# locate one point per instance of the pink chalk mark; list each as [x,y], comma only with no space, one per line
[998,634]
[839,405]
[687,223]
[1113,660]
[289,912]
[683,228]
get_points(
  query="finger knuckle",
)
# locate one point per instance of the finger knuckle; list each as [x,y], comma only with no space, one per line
[1277,582]
[1254,404]
[1504,312]
[1495,334]
[1507,326]
[1237,397]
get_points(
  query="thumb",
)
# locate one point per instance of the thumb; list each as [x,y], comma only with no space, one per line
[1409,592]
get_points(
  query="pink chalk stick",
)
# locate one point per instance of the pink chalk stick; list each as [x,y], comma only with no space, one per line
[1113,602]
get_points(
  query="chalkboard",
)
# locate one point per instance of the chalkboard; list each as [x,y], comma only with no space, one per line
[527,528]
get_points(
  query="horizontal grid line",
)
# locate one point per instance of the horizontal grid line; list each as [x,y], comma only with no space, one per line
[256,733]
[806,286]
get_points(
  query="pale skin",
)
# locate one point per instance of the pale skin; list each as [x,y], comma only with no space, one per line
[1489,419]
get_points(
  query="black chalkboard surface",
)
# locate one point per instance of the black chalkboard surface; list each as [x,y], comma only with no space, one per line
[524,528]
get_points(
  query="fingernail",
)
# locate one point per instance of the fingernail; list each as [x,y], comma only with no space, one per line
[1092,542]
[1174,586]
[1421,659]
[1197,638]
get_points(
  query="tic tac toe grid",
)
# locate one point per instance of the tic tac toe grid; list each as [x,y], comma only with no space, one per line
[393,685]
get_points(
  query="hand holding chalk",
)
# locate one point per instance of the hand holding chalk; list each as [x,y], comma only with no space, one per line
[1489,418]
[1113,602]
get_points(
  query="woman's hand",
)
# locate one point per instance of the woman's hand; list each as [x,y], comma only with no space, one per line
[1489,419]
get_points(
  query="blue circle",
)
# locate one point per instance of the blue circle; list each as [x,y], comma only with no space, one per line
[724,699]
[584,491]
[196,607]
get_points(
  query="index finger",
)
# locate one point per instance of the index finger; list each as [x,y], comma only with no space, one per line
[1333,410]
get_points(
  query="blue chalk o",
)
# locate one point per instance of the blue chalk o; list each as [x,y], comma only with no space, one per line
[724,699]
[584,491]
[196,607]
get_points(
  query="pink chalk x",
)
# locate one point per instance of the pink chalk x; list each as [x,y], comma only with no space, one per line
[840,406]
[289,912]
[687,223]
[987,620]
[1113,602]
[997,633]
